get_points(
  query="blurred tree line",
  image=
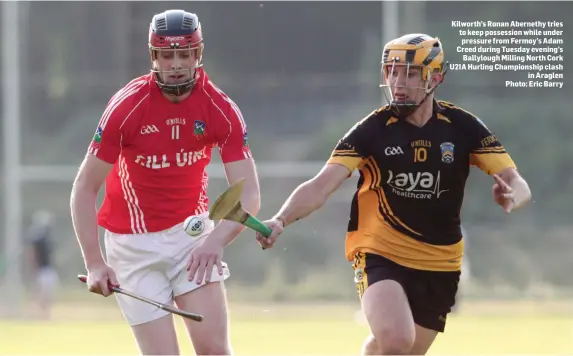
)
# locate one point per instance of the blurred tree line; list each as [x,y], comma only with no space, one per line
[303,73]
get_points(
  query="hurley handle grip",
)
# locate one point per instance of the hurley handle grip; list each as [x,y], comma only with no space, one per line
[258,226]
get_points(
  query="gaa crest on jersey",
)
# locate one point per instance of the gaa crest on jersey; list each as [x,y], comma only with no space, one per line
[199,128]
[447,149]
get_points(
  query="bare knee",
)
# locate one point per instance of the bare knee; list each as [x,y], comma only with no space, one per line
[157,337]
[389,344]
[210,337]
[212,347]
[370,346]
[386,307]
[392,341]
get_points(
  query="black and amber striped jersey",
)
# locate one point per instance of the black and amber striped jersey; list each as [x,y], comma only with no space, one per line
[412,180]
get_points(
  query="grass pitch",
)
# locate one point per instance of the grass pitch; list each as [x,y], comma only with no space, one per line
[291,329]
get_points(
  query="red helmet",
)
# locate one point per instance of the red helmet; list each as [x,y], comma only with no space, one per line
[171,31]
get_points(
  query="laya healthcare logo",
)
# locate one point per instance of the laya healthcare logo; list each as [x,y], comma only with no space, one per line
[419,185]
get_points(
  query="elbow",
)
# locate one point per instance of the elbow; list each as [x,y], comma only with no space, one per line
[82,188]
[252,202]
[255,206]
[78,187]
[321,200]
[83,183]
[318,192]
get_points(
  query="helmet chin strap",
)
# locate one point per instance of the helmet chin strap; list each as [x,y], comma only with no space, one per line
[177,89]
[405,111]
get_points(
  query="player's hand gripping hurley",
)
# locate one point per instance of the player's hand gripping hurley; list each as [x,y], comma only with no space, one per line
[167,308]
[228,207]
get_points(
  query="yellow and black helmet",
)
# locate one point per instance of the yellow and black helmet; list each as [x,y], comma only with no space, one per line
[415,50]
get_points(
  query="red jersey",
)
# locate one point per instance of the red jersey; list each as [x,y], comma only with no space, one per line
[160,150]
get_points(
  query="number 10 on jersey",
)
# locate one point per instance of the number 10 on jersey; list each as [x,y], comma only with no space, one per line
[420,154]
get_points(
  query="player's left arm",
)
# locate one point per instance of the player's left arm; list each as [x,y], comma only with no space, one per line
[250,198]
[239,164]
[510,190]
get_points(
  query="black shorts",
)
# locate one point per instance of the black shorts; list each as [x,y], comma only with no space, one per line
[431,294]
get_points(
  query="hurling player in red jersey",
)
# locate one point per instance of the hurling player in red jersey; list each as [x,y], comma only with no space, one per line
[151,147]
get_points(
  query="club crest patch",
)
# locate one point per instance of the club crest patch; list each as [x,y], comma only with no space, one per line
[199,128]
[447,149]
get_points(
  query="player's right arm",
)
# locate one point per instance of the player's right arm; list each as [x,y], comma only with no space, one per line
[97,164]
[313,194]
[90,178]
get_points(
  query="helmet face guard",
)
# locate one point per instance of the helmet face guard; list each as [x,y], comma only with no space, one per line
[406,60]
[175,37]
[180,77]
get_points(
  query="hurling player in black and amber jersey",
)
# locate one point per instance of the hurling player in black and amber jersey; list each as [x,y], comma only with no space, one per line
[404,233]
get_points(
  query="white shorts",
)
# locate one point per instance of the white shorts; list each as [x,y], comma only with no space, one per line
[154,265]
